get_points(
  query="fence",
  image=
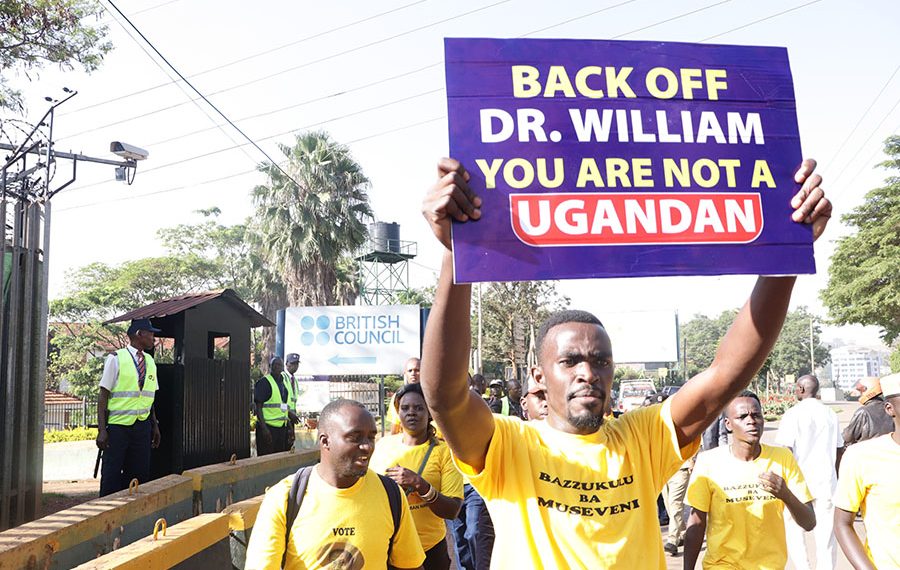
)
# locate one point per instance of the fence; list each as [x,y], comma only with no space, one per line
[363,389]
[70,415]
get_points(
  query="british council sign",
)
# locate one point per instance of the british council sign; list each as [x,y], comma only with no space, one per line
[352,340]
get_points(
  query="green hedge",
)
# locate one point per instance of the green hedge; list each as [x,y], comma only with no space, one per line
[75,434]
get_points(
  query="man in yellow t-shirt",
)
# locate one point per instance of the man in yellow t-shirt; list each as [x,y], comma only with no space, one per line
[345,519]
[738,494]
[869,481]
[575,490]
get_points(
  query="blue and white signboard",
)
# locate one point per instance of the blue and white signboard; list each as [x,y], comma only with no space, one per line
[352,340]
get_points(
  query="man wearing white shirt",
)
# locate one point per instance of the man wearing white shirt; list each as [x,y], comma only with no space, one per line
[126,420]
[811,430]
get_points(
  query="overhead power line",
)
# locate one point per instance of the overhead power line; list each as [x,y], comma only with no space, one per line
[229,176]
[754,22]
[202,96]
[426,121]
[865,142]
[166,72]
[305,64]
[864,115]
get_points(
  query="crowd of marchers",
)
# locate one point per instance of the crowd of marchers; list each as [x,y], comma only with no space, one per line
[488,476]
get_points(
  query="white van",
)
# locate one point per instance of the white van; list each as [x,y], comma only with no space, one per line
[632,394]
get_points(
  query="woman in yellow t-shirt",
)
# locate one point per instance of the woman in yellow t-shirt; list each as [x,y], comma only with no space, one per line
[421,464]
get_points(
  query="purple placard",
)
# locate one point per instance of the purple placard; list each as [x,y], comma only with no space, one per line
[624,159]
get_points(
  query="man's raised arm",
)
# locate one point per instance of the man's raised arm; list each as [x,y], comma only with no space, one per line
[751,337]
[462,416]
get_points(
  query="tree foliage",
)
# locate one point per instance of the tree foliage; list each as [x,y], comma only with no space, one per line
[34,33]
[509,312]
[864,276]
[202,257]
[310,228]
[700,339]
[790,355]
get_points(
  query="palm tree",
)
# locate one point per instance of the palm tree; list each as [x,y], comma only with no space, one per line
[310,222]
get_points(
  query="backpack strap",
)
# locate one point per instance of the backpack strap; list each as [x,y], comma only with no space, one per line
[294,500]
[396,502]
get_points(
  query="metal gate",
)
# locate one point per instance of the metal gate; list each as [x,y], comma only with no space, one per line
[24,210]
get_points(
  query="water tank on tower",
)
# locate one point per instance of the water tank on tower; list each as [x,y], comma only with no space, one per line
[384,237]
[383,264]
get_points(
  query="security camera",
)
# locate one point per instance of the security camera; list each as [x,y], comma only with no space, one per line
[128,151]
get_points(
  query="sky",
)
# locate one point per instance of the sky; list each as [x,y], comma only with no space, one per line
[371,74]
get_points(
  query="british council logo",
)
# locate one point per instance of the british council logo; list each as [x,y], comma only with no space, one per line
[314,330]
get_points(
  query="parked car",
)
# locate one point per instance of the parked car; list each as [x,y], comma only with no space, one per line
[669,390]
[633,392]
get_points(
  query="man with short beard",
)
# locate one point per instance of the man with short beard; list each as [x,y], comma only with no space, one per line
[573,490]
[345,514]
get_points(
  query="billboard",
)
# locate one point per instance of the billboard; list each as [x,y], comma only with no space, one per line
[642,336]
[599,158]
[352,340]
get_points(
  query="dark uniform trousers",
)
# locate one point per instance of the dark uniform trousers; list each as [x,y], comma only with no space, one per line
[126,457]
[279,440]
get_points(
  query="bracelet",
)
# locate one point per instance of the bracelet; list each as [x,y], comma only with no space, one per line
[431,496]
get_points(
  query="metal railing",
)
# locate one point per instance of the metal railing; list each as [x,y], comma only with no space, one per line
[70,415]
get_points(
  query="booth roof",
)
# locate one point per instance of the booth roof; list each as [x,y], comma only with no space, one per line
[173,305]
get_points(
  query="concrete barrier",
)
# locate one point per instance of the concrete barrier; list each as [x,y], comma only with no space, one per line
[198,543]
[213,540]
[220,485]
[241,518]
[70,537]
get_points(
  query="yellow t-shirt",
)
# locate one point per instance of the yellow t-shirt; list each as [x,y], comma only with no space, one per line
[745,525]
[391,418]
[559,500]
[346,528]
[869,482]
[439,471]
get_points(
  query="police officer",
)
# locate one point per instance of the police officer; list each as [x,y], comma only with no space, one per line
[291,364]
[127,426]
[273,395]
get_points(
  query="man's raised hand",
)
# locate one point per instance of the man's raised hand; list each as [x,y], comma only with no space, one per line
[810,204]
[450,198]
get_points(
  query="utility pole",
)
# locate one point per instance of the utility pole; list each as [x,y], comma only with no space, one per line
[26,174]
[680,333]
[812,354]
[478,358]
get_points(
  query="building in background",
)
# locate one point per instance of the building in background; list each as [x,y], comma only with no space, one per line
[850,363]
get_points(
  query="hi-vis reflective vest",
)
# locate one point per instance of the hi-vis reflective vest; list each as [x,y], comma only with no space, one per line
[127,401]
[504,405]
[292,397]
[275,410]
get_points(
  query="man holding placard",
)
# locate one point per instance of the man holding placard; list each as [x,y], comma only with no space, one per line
[574,487]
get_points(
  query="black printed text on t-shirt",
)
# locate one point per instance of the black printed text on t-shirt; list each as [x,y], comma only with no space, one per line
[344,531]
[590,499]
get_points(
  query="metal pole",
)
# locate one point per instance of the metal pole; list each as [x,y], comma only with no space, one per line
[812,354]
[478,358]
[381,409]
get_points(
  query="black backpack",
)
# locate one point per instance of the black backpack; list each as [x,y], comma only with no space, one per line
[298,489]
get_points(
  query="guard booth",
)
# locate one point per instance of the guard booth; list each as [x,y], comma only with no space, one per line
[203,364]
